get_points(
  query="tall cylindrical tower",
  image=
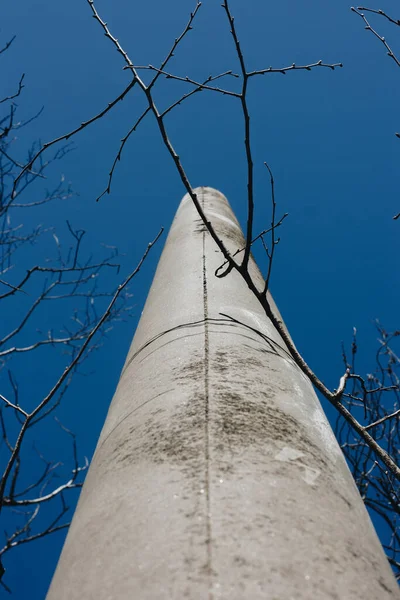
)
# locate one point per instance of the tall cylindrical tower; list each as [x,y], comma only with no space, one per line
[216,474]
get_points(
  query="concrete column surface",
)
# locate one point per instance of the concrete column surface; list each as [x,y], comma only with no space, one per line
[216,475]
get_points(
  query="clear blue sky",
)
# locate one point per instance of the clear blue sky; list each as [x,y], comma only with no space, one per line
[328,136]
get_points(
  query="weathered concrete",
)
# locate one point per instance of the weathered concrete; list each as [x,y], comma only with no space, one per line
[216,474]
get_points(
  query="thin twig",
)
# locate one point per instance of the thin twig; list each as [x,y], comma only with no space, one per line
[376,34]
[381,13]
[14,406]
[294,67]
[8,44]
[380,421]
[273,227]
[17,93]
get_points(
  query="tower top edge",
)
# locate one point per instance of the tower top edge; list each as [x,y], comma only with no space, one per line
[209,191]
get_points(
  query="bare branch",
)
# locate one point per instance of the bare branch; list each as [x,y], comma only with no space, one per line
[198,89]
[108,35]
[294,67]
[376,34]
[8,44]
[69,369]
[17,93]
[187,79]
[272,228]
[14,406]
[380,421]
[176,43]
[258,237]
[16,289]
[379,12]
[71,133]
[57,270]
[247,139]
[107,190]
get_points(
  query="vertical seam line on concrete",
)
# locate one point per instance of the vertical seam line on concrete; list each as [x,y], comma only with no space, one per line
[206,411]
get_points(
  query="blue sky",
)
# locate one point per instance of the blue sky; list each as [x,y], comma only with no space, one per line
[327,135]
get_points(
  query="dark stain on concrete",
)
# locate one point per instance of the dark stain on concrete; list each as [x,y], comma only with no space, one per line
[241,421]
[238,418]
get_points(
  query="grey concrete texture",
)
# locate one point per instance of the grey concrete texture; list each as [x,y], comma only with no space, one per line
[216,475]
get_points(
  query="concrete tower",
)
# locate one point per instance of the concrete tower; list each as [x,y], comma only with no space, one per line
[216,474]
